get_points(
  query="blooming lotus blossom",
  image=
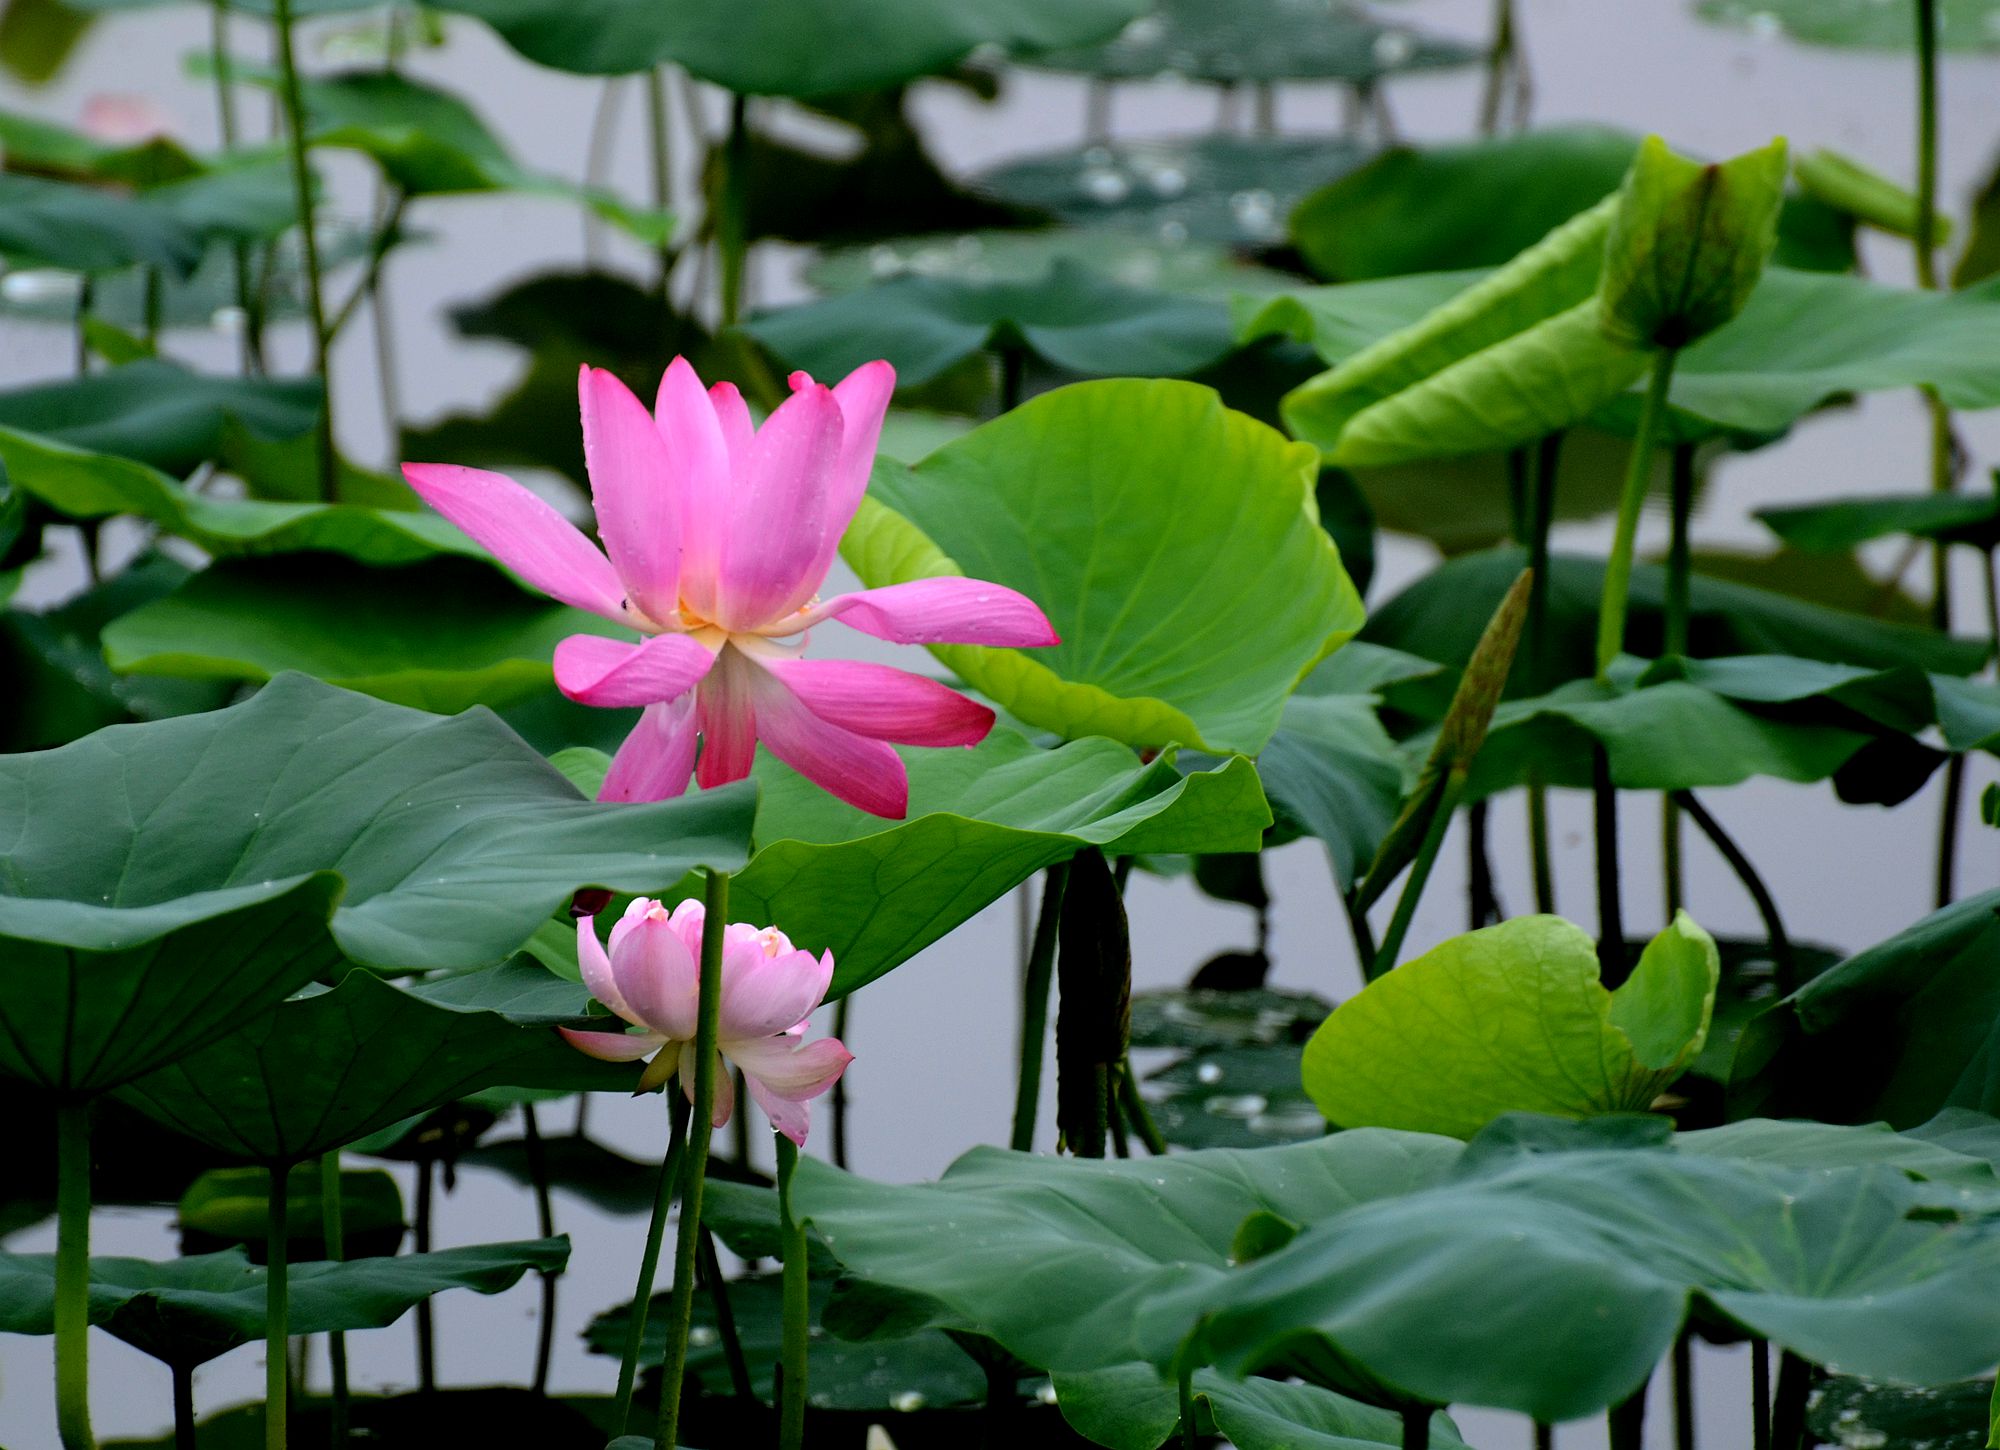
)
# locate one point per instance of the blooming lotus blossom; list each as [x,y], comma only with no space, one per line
[719,536]
[651,977]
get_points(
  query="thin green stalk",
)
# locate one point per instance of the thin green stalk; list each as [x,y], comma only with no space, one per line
[1133,1104]
[1610,901]
[1618,569]
[597,165]
[1482,897]
[1784,960]
[1035,1007]
[1788,1410]
[1540,864]
[732,232]
[792,1343]
[1114,1116]
[334,1228]
[694,1171]
[186,1437]
[1420,871]
[1184,1388]
[1013,363]
[225,120]
[295,136]
[840,1027]
[649,1260]
[426,1322]
[1626,1421]
[1684,1390]
[545,1223]
[1679,582]
[1499,67]
[1760,1394]
[1416,1427]
[85,297]
[659,157]
[277,1311]
[153,284]
[1671,869]
[1927,144]
[1541,520]
[1545,1435]
[725,1318]
[1947,852]
[73,1275]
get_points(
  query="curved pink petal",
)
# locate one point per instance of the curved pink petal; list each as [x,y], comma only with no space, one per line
[778,512]
[656,759]
[659,977]
[882,702]
[698,460]
[524,533]
[865,773]
[949,609]
[863,396]
[784,1076]
[613,1046]
[764,994]
[733,416]
[636,911]
[593,670]
[632,488]
[728,717]
[597,969]
[725,1088]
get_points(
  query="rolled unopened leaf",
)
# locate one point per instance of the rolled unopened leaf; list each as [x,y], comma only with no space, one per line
[1688,243]
[1864,194]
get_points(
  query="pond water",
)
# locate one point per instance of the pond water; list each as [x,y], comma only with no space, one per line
[935,1048]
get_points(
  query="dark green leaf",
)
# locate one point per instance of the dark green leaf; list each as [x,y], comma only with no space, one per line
[85,229]
[230,1208]
[160,414]
[1132,1408]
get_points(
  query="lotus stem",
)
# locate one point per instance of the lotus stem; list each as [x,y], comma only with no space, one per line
[1420,871]
[1500,62]
[792,1351]
[694,1168]
[1013,363]
[1788,1411]
[1784,961]
[277,1310]
[1545,1435]
[1540,865]
[1035,1007]
[1927,143]
[1416,1427]
[1541,519]
[1684,1390]
[649,1260]
[1610,903]
[333,1226]
[597,164]
[545,1223]
[659,157]
[73,1275]
[1760,1394]
[225,122]
[1133,1103]
[186,1437]
[732,233]
[725,1318]
[1184,1388]
[295,138]
[840,1020]
[1482,897]
[1618,570]
[1626,1421]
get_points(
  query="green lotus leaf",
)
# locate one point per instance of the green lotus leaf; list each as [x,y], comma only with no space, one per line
[771,47]
[188,1311]
[83,485]
[1839,525]
[86,229]
[1167,633]
[454,838]
[1513,1019]
[160,414]
[1797,1143]
[1070,318]
[1962,24]
[228,1208]
[1552,1282]
[331,1066]
[1132,1408]
[1907,1028]
[443,636]
[1054,1258]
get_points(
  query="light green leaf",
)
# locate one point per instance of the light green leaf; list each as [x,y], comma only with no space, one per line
[1864,194]
[1866,24]
[1513,1019]
[1167,630]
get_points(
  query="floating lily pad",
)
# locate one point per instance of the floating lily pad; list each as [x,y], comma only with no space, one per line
[1187,269]
[1855,1414]
[230,1208]
[1233,1097]
[1264,40]
[1165,632]
[1236,190]
[1194,1017]
[1867,24]
[1069,318]
[605,1179]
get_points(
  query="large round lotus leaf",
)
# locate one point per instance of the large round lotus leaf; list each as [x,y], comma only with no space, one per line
[329,1067]
[1133,1408]
[84,485]
[1905,1029]
[774,47]
[1054,1257]
[188,1311]
[1155,528]
[160,414]
[1962,24]
[1069,318]
[455,840]
[1263,40]
[1184,269]
[981,821]
[1553,1283]
[1236,190]
[443,636]
[1513,1019]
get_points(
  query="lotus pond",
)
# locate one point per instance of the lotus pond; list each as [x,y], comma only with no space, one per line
[1105,724]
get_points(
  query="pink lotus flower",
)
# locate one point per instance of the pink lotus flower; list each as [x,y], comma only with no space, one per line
[719,536]
[652,978]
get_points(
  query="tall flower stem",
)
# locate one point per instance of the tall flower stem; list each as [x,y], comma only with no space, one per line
[1680,571]
[1684,1390]
[1618,570]
[1788,1410]
[649,1260]
[1541,520]
[1035,1007]
[1626,1421]
[73,1275]
[1760,1394]
[225,120]
[1420,872]
[840,1024]
[185,1435]
[545,1224]
[694,1172]
[797,1320]
[277,1309]
[659,158]
[1416,1427]
[1784,962]
[725,1318]
[733,227]
[1610,897]
[295,137]
[1500,62]
[426,1323]
[333,1226]
[1189,1434]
